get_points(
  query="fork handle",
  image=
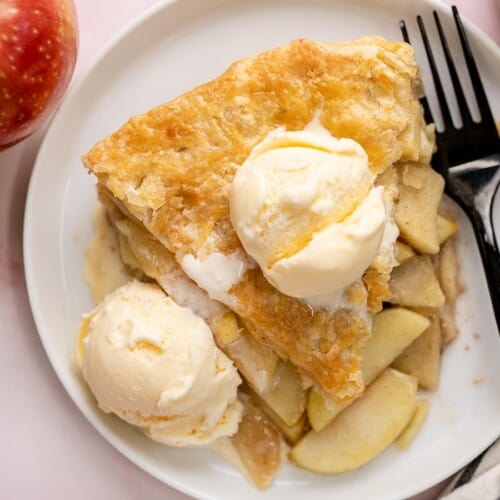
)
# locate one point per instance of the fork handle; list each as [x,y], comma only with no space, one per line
[488,248]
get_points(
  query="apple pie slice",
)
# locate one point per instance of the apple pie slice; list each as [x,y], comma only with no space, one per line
[171,170]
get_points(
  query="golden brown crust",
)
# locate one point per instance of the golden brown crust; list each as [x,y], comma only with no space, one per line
[377,286]
[324,345]
[172,167]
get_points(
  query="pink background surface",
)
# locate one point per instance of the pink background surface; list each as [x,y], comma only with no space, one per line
[48,449]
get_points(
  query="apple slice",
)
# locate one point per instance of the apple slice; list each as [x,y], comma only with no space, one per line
[292,433]
[286,395]
[363,430]
[321,409]
[426,312]
[409,433]
[256,362]
[392,332]
[447,322]
[446,228]
[259,444]
[447,271]
[226,329]
[422,358]
[415,211]
[403,252]
[446,266]
[127,255]
[414,284]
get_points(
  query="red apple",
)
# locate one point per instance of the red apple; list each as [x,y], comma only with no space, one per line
[38,48]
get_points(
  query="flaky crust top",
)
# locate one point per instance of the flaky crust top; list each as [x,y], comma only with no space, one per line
[171,170]
[172,167]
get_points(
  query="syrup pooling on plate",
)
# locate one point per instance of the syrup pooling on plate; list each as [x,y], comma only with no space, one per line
[104,271]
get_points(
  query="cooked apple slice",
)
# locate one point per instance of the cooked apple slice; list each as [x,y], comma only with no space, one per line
[226,329]
[127,255]
[403,252]
[389,179]
[422,358]
[286,396]
[393,331]
[363,430]
[256,362]
[415,211]
[446,228]
[414,284]
[292,433]
[258,443]
[447,322]
[321,409]
[409,433]
[447,271]
[426,312]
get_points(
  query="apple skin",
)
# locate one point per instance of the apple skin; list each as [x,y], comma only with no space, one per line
[38,49]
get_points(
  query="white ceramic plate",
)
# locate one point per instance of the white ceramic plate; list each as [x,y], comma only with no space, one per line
[174,47]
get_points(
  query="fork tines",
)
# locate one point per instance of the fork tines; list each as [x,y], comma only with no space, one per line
[471,133]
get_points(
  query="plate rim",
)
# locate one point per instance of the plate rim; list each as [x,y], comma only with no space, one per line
[28,260]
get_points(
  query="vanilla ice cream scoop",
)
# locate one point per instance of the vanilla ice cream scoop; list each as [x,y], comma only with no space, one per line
[305,208]
[155,365]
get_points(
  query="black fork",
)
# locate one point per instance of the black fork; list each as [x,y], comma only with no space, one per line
[467,157]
